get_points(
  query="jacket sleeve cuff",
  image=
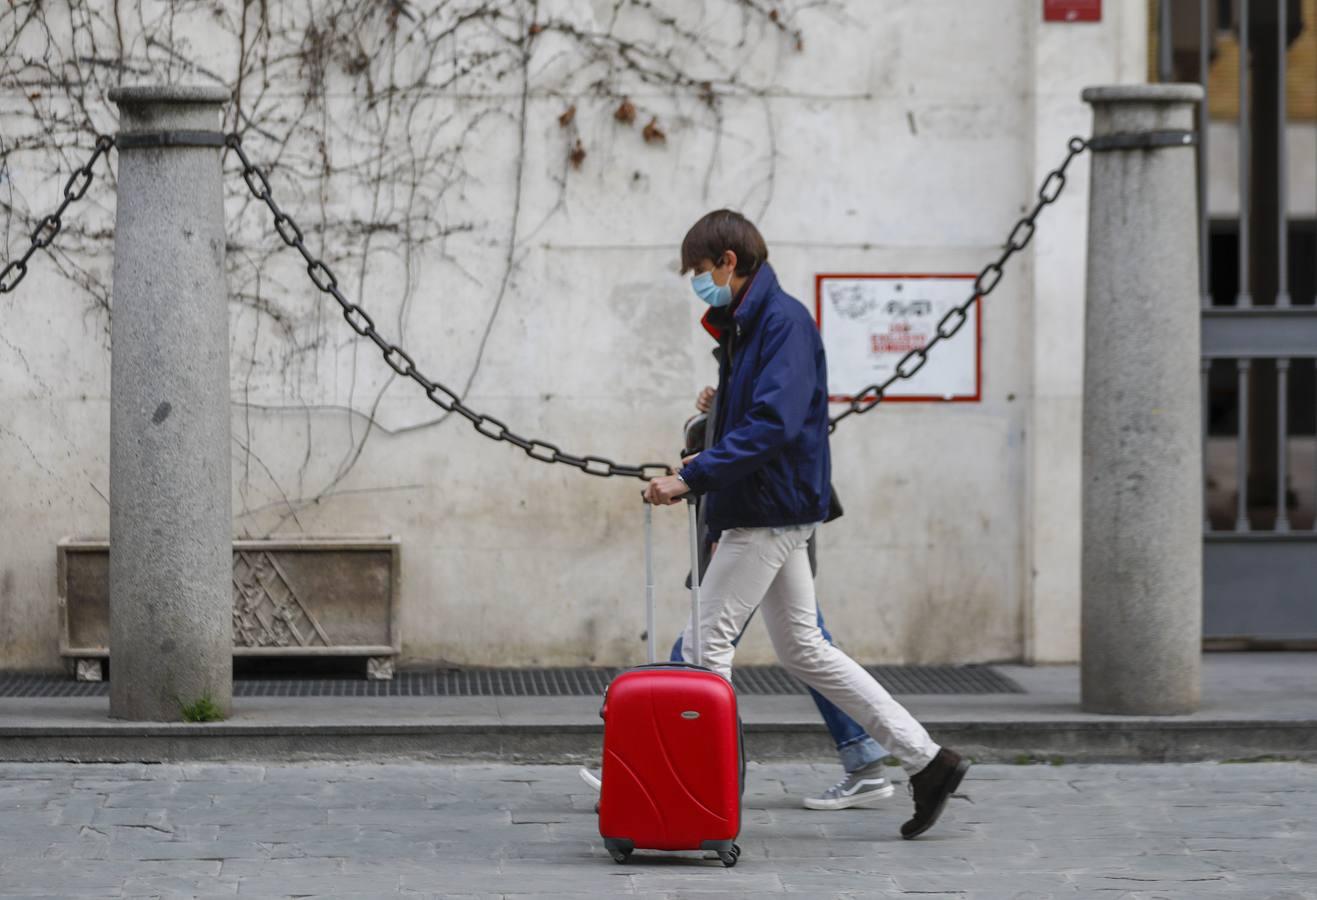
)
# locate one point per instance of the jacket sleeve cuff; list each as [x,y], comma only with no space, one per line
[694,478]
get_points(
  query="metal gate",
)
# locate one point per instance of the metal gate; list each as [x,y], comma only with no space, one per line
[1259,322]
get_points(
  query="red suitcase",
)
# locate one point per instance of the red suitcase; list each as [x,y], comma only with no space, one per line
[673,766]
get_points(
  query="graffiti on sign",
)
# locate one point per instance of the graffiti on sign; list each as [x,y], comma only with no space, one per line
[869,322]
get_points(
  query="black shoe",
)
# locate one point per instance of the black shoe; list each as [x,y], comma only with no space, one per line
[931,787]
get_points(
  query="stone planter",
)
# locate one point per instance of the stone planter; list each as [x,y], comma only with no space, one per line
[299,597]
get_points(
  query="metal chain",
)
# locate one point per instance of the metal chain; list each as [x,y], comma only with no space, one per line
[48,227]
[984,283]
[401,362]
[449,401]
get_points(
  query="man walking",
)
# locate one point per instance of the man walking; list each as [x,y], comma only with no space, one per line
[766,478]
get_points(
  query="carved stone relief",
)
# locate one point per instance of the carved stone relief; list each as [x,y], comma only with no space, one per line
[266,611]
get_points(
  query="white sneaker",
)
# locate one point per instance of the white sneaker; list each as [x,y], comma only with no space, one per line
[593,780]
[858,788]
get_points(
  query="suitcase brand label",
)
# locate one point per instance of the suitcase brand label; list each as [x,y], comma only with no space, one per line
[690,714]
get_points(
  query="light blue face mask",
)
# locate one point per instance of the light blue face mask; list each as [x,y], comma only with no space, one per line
[710,292]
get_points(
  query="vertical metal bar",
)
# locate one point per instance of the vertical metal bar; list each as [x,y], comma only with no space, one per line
[1241,449]
[1204,120]
[1165,71]
[1243,297]
[1282,440]
[650,646]
[1282,199]
[698,653]
[1206,369]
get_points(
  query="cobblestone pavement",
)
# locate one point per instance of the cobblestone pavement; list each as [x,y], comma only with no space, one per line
[369,830]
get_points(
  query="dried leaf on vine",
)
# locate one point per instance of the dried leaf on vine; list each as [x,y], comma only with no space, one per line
[653,134]
[397,8]
[357,64]
[568,116]
[577,156]
[626,113]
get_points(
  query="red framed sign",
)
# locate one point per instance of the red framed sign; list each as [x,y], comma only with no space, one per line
[870,321]
[1072,10]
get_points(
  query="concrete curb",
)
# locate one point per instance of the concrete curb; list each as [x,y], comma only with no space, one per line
[999,742]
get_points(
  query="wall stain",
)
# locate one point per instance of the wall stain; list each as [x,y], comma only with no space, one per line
[161,413]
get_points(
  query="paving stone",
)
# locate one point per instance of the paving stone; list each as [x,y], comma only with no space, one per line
[604,879]
[1272,884]
[64,893]
[146,794]
[330,885]
[142,817]
[469,817]
[225,774]
[1013,884]
[30,814]
[667,875]
[556,850]
[18,851]
[203,850]
[596,874]
[836,877]
[35,878]
[892,858]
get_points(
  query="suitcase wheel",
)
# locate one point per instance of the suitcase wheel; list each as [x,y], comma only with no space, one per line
[729,857]
[621,856]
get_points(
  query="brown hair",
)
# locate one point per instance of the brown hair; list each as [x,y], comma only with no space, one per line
[718,232]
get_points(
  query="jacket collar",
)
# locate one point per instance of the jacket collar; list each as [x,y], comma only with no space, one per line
[745,313]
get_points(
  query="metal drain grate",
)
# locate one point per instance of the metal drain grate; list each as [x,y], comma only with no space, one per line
[583,682]
[764,680]
[566,682]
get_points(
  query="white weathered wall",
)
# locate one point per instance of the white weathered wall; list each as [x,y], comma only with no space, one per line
[907,136]
[1065,60]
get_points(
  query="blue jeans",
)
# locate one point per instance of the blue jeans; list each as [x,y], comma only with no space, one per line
[854,746]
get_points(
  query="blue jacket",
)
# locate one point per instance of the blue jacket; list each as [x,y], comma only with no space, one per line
[769,463]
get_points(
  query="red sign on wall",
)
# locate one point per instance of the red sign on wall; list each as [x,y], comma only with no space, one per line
[1072,10]
[870,322]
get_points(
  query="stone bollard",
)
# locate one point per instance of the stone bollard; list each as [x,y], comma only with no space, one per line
[1142,458]
[171,594]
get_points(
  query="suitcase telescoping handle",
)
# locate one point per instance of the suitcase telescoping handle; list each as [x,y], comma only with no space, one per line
[697,651]
[649,582]
[695,582]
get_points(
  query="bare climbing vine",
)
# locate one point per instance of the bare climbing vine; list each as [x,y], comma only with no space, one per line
[416,142]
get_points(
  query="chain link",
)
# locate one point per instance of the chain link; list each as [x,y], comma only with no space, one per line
[402,363]
[984,284]
[48,227]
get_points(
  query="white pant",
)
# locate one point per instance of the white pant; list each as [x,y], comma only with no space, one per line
[769,567]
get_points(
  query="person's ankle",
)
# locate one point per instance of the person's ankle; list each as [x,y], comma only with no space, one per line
[942,757]
[859,753]
[870,768]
